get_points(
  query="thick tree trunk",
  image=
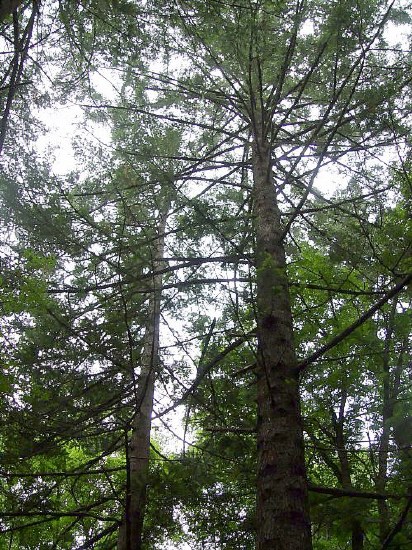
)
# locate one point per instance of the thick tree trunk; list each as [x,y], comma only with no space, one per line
[282,502]
[131,530]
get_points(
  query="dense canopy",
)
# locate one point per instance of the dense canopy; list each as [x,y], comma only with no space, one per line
[206,264]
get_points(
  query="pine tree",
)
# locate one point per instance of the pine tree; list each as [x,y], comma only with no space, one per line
[266,98]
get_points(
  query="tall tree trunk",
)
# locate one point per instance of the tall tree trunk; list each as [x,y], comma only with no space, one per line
[138,451]
[357,535]
[282,504]
[389,398]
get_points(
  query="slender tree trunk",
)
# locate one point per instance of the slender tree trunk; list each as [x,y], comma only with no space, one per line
[389,398]
[22,41]
[131,530]
[357,536]
[282,504]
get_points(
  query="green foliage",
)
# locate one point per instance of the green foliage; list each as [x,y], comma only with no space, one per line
[192,83]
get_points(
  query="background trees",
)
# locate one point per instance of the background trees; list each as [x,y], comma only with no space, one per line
[203,219]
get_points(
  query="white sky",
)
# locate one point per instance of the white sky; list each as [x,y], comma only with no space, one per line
[64,121]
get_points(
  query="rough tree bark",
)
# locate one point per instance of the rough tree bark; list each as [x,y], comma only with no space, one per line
[282,503]
[138,451]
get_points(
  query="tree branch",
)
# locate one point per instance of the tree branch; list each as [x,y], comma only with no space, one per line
[398,525]
[337,492]
[351,328]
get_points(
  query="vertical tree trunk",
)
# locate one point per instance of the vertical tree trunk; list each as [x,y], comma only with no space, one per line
[389,397]
[130,532]
[357,536]
[282,503]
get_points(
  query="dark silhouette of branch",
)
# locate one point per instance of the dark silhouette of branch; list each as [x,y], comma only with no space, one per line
[351,328]
[108,531]
[202,373]
[398,525]
[337,492]
[21,48]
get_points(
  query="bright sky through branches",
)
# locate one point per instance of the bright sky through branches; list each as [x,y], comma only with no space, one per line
[183,282]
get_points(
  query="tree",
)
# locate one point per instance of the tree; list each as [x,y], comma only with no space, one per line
[17,40]
[272,95]
[263,91]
